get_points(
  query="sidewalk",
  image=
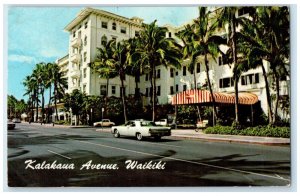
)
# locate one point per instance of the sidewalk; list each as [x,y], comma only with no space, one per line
[191,134]
[61,126]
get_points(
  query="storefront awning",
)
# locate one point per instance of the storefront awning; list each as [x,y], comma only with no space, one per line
[196,96]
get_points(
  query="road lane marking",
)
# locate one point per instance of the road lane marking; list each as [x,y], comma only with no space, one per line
[187,161]
[59,154]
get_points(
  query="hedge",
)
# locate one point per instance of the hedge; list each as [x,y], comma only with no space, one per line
[266,131]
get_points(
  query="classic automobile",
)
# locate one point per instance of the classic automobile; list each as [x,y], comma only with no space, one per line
[140,129]
[104,123]
[10,124]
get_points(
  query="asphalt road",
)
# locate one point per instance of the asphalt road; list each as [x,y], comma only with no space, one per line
[168,162]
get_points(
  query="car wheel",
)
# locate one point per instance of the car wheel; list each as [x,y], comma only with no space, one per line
[139,136]
[116,134]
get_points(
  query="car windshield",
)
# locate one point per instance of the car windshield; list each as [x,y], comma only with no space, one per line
[147,123]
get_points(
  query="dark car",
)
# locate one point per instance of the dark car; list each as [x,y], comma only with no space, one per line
[10,125]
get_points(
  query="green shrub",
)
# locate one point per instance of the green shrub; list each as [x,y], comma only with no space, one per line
[266,131]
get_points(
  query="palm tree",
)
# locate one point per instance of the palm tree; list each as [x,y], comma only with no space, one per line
[228,17]
[154,50]
[48,85]
[266,37]
[40,73]
[206,43]
[60,85]
[121,59]
[30,91]
[103,65]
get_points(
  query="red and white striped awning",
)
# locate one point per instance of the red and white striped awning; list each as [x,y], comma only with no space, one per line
[196,96]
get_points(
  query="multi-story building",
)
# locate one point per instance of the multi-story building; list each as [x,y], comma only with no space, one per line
[92,28]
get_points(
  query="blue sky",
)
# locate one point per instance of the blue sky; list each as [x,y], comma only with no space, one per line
[35,34]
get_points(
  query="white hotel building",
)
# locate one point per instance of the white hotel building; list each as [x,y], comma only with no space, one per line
[92,27]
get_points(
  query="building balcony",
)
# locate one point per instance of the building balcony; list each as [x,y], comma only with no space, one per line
[75,73]
[76,58]
[76,43]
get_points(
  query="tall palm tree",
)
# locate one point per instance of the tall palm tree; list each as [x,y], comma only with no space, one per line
[31,92]
[206,43]
[121,59]
[103,65]
[60,84]
[266,37]
[48,85]
[154,50]
[228,17]
[40,73]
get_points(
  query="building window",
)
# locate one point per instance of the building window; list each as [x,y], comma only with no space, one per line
[79,27]
[146,77]
[103,40]
[170,34]
[256,78]
[113,90]
[184,87]
[171,72]
[123,30]
[114,26]
[84,88]
[176,73]
[184,71]
[85,25]
[158,73]
[171,90]
[136,33]
[104,25]
[220,61]
[84,57]
[198,67]
[74,34]
[225,82]
[85,40]
[158,91]
[250,78]
[177,88]
[103,90]
[84,73]
[244,80]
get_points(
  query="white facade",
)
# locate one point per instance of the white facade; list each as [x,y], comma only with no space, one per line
[91,25]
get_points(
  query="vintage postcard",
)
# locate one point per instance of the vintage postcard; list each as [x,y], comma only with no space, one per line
[176,96]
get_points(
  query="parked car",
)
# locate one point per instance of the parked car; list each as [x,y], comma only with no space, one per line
[104,123]
[16,120]
[140,129]
[10,124]
[162,122]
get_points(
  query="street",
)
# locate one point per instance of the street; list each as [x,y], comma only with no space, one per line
[44,156]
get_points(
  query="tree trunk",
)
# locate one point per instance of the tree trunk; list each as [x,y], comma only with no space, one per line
[123,97]
[43,105]
[195,87]
[270,113]
[55,102]
[48,113]
[210,87]
[106,97]
[275,113]
[37,107]
[153,93]
[236,90]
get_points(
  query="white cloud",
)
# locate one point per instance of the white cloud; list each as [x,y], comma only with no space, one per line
[21,58]
[49,52]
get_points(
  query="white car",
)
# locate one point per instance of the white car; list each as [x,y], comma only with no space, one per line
[104,123]
[140,129]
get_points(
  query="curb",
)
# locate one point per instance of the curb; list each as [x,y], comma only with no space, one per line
[232,140]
